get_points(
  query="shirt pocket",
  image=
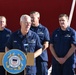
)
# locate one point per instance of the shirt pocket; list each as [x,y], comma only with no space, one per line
[67,40]
[32,47]
[56,40]
[41,36]
[16,45]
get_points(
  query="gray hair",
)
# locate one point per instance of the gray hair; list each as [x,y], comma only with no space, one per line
[23,17]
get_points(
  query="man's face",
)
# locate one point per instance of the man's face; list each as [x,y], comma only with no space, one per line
[34,19]
[2,22]
[26,24]
[63,21]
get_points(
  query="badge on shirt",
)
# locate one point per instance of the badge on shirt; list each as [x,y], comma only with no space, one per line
[8,35]
[32,41]
[56,35]
[67,35]
[40,33]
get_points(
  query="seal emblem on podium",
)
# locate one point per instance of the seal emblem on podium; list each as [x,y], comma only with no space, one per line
[14,61]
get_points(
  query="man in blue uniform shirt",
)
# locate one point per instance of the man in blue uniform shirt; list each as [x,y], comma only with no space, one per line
[25,36]
[43,33]
[4,36]
[62,47]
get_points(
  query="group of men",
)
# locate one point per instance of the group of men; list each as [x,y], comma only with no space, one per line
[62,44]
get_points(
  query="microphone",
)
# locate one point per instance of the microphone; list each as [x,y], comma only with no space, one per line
[26,48]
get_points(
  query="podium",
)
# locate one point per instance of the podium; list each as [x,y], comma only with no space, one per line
[29,56]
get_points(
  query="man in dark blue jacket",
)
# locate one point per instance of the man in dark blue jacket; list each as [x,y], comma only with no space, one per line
[4,36]
[43,33]
[62,46]
[25,36]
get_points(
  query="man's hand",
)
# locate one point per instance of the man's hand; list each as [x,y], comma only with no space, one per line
[61,60]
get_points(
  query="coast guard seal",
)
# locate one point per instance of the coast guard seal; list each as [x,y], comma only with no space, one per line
[14,61]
